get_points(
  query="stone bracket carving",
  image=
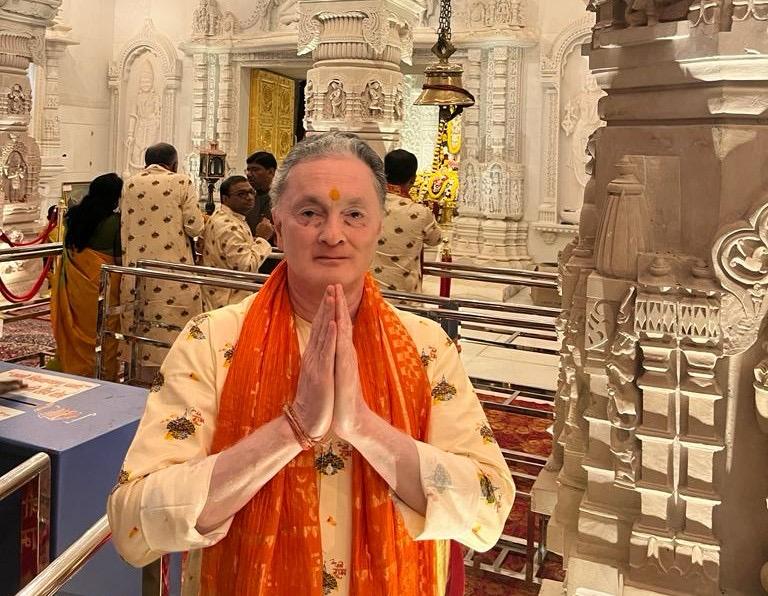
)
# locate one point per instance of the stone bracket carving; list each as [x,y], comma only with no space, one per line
[309,32]
[740,257]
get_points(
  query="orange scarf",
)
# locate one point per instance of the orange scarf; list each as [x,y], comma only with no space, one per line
[273,547]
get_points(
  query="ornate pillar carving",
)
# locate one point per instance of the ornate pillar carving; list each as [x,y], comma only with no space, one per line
[489,226]
[57,40]
[22,42]
[355,83]
[673,379]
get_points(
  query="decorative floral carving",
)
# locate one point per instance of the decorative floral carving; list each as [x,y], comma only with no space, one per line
[375,29]
[259,17]
[740,257]
[309,33]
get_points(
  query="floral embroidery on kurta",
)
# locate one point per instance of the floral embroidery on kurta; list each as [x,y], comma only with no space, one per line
[229,353]
[490,493]
[443,391]
[330,583]
[184,426]
[157,382]
[427,357]
[195,332]
[440,479]
[124,477]
[329,463]
[486,432]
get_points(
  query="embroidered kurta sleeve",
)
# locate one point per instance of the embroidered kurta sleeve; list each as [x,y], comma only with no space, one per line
[194,222]
[242,252]
[166,475]
[467,483]
[432,232]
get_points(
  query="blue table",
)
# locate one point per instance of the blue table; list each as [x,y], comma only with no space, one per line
[86,453]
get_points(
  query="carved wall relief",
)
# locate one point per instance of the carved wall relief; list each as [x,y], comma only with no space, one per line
[18,100]
[143,114]
[335,105]
[144,81]
[569,113]
[372,101]
[740,256]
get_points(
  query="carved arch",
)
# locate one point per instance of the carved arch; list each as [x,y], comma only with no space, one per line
[148,41]
[551,70]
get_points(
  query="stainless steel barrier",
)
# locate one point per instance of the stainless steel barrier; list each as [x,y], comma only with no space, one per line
[36,469]
[68,563]
[520,322]
[37,307]
[497,275]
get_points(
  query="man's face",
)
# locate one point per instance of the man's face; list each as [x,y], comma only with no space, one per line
[241,198]
[328,222]
[259,176]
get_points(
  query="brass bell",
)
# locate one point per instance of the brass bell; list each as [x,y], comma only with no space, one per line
[442,83]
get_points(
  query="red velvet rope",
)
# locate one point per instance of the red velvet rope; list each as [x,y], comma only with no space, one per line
[39,240]
[11,297]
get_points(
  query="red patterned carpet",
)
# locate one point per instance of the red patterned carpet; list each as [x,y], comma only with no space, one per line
[529,435]
[512,431]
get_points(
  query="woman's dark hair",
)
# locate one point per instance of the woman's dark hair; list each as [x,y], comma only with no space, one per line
[102,199]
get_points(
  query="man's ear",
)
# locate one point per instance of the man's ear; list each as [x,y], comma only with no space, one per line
[278,221]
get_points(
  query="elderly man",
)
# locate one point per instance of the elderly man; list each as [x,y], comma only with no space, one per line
[159,217]
[408,226]
[228,243]
[313,439]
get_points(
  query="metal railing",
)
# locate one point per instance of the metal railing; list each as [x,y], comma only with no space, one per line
[497,275]
[37,307]
[35,469]
[68,563]
[518,322]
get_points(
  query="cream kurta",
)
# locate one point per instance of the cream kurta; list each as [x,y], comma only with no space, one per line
[164,484]
[159,215]
[229,244]
[408,226]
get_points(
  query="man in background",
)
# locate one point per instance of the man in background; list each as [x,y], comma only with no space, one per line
[159,217]
[228,243]
[408,226]
[260,169]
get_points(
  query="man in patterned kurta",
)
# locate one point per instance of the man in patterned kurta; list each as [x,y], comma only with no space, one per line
[228,243]
[313,439]
[159,218]
[408,226]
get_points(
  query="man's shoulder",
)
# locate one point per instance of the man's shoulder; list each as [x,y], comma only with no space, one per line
[227,320]
[421,329]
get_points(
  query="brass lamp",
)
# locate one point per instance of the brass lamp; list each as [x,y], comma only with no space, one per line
[442,83]
[212,168]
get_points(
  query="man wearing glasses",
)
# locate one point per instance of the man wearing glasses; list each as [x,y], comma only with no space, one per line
[260,169]
[228,243]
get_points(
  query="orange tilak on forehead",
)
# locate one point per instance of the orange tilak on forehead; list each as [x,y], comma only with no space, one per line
[334,194]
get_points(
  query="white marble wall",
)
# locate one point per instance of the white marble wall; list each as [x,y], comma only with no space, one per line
[105,30]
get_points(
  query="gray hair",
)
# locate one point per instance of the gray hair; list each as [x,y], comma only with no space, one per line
[326,145]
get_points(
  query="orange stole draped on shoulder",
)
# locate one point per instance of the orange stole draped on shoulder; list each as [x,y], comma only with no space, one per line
[273,546]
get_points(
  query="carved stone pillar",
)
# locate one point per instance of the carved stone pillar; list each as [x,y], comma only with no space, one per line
[355,83]
[673,501]
[488,228]
[57,40]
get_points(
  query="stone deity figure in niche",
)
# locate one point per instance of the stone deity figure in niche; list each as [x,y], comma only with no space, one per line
[144,121]
[335,101]
[14,172]
[372,100]
[398,107]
